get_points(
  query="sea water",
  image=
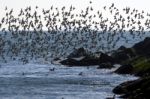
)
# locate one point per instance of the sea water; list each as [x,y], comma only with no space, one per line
[38,81]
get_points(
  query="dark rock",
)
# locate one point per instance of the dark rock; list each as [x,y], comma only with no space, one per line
[143,47]
[143,73]
[125,69]
[56,59]
[78,53]
[138,56]
[104,58]
[120,56]
[70,62]
[136,89]
[123,54]
[119,90]
[130,52]
[81,57]
[121,48]
[126,86]
[81,73]
[86,61]
[105,65]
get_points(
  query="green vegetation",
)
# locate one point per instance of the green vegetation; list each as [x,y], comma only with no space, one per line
[141,63]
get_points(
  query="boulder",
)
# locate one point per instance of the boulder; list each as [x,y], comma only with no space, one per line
[104,58]
[81,57]
[121,48]
[70,62]
[143,73]
[143,47]
[125,69]
[88,60]
[78,53]
[105,65]
[136,89]
[84,61]
[139,55]
[123,54]
[56,59]
[120,57]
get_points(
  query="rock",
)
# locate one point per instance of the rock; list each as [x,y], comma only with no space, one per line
[136,89]
[126,86]
[143,47]
[120,56]
[143,73]
[81,73]
[78,53]
[104,58]
[81,57]
[105,65]
[141,66]
[86,61]
[123,54]
[119,90]
[139,57]
[70,62]
[125,69]
[56,59]
[121,48]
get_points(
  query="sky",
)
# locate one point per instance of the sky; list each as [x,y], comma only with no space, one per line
[17,4]
[79,4]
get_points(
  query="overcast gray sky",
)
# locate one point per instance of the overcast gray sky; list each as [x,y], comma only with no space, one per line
[139,4]
[79,4]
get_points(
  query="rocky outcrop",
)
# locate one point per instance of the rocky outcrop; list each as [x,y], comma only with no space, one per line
[143,47]
[140,66]
[105,65]
[143,73]
[104,58]
[125,69]
[136,89]
[123,54]
[81,61]
[81,57]
[79,53]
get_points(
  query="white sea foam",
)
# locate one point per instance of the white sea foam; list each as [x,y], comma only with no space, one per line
[36,81]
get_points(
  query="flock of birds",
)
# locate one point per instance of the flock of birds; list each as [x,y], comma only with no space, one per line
[56,32]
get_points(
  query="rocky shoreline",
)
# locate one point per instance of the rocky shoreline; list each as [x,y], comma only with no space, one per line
[139,65]
[134,61]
